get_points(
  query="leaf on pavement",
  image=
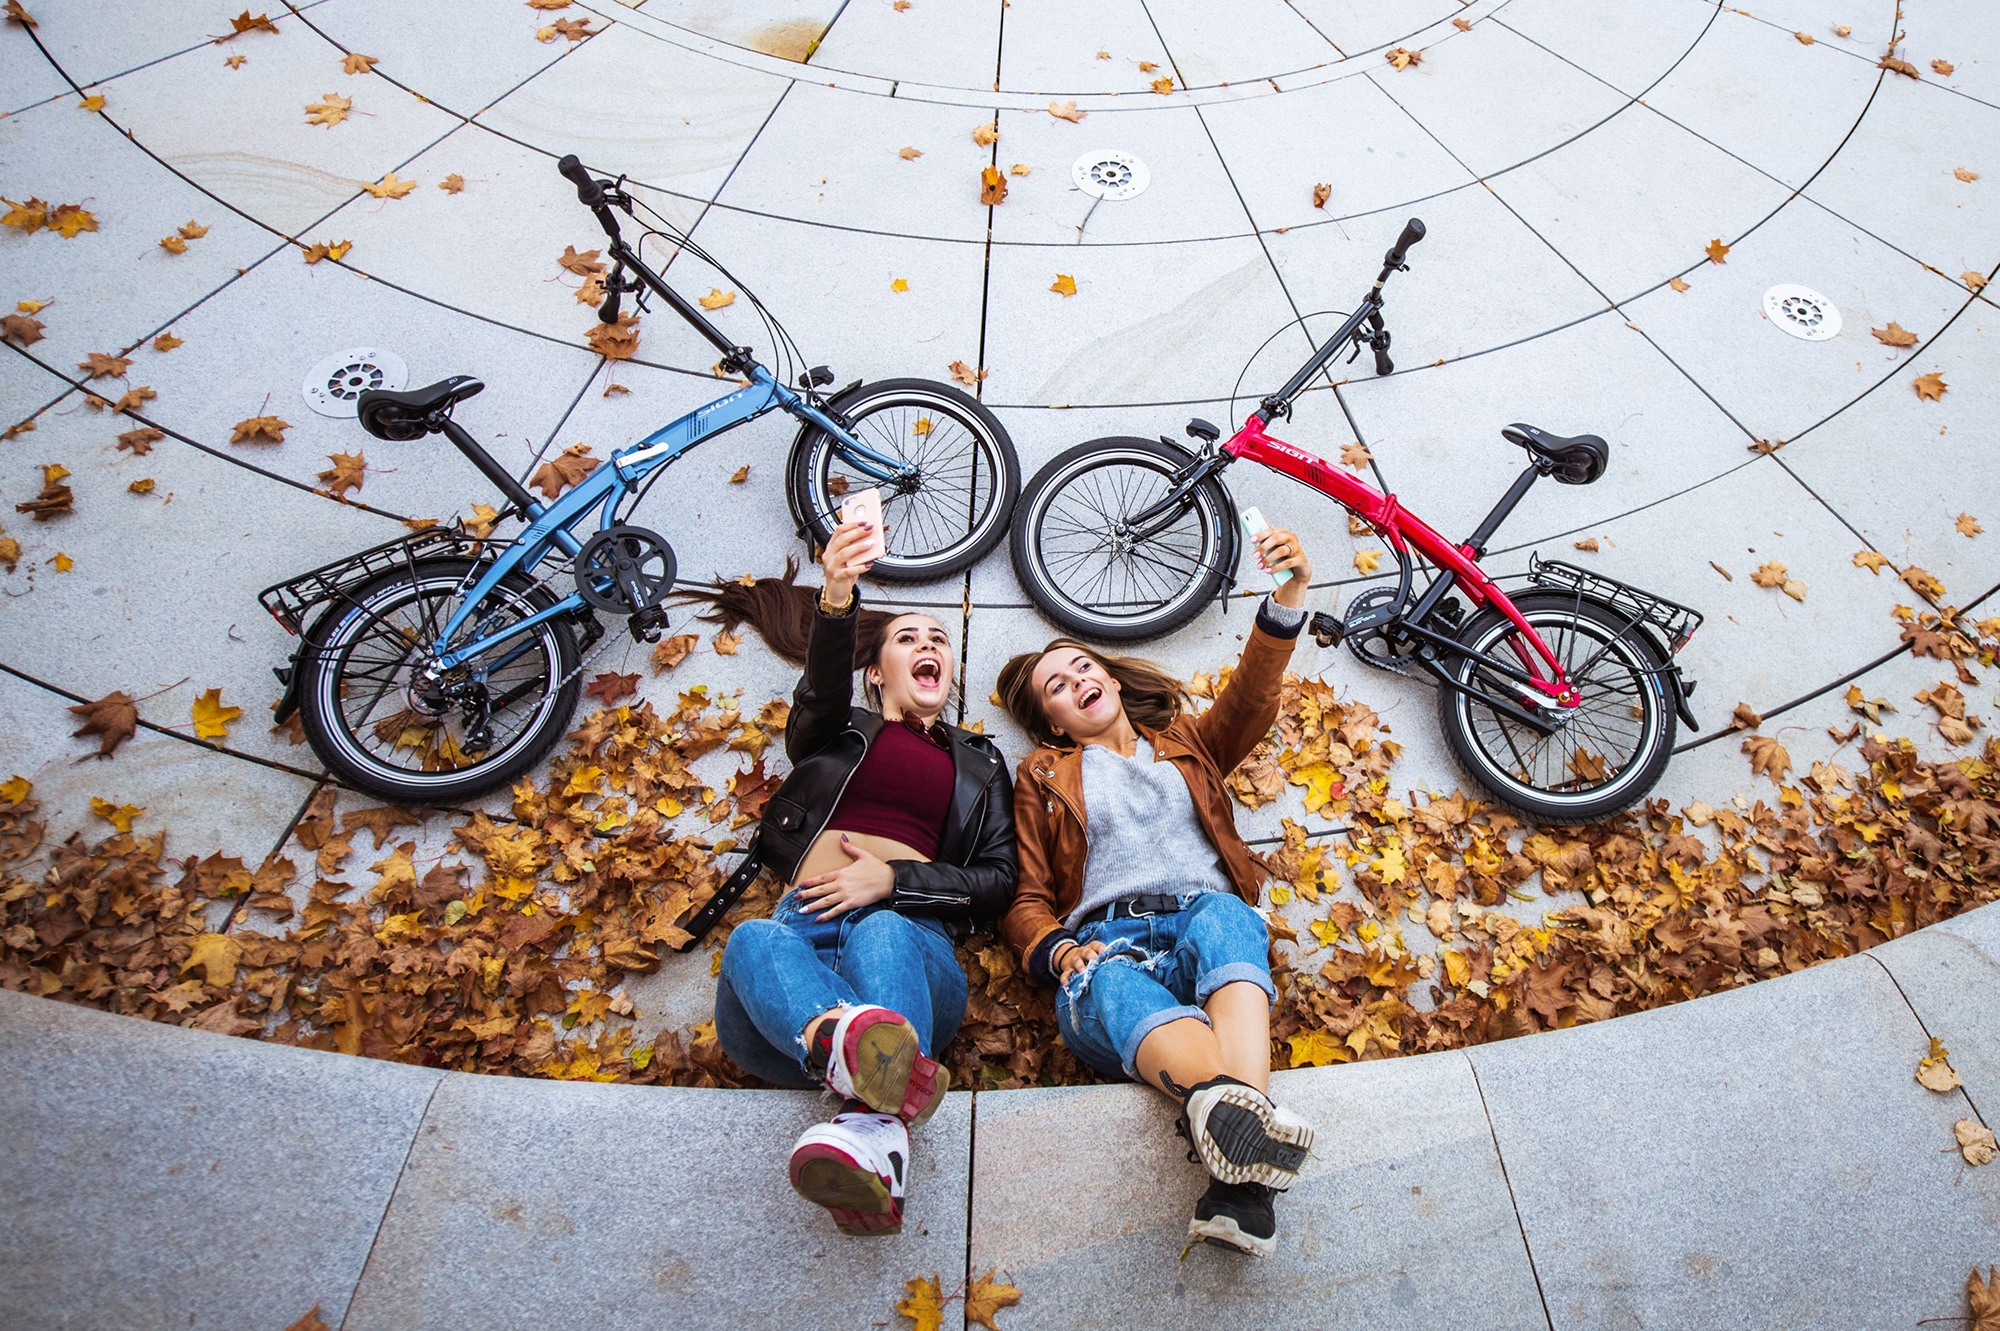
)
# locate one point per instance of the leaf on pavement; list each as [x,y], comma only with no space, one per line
[925,1303]
[1773,574]
[1355,455]
[1066,111]
[243,23]
[987,1296]
[346,473]
[1898,65]
[1402,57]
[584,264]
[1869,560]
[357,63]
[1960,173]
[1768,758]
[1923,583]
[673,651]
[1163,85]
[452,184]
[986,134]
[55,499]
[111,718]
[1678,284]
[311,1321]
[1716,251]
[610,686]
[1930,387]
[1321,193]
[1895,335]
[215,955]
[619,341]
[727,643]
[564,470]
[390,186]
[22,331]
[717,299]
[1968,526]
[1366,561]
[1975,1142]
[101,366]
[1745,717]
[18,16]
[119,816]
[1064,285]
[1934,1073]
[329,111]
[910,154]
[259,430]
[1983,1299]
[336,251]
[1805,38]
[965,374]
[992,187]
[211,717]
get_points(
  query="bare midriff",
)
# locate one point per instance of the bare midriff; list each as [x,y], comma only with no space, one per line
[826,855]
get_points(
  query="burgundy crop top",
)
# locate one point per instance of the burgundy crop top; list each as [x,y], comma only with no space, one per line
[901,790]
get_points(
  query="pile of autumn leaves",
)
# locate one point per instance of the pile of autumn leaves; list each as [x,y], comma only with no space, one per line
[505,953]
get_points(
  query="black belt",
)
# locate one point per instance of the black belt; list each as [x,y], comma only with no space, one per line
[1149,903]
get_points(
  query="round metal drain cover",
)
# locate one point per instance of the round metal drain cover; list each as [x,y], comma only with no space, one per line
[1106,174]
[335,385]
[1802,312]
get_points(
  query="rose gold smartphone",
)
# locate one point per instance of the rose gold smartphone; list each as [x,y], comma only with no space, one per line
[866,506]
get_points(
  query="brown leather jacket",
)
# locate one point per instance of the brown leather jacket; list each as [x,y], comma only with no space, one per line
[1050,823]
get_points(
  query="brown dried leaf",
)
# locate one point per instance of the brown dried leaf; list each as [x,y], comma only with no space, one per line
[1321,193]
[259,430]
[1869,560]
[113,718]
[986,134]
[673,651]
[22,331]
[1402,57]
[1895,335]
[347,473]
[329,111]
[564,470]
[452,184]
[1899,66]
[1930,387]
[1768,758]
[357,63]
[1716,251]
[992,187]
[1066,111]
[101,366]
[619,341]
[336,251]
[965,374]
[584,264]
[390,186]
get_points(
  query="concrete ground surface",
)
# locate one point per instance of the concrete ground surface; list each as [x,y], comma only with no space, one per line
[1578,164]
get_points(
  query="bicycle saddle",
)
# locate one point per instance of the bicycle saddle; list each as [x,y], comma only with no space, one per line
[1576,461]
[406,415]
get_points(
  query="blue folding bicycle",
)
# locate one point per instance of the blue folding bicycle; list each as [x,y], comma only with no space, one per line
[442,665]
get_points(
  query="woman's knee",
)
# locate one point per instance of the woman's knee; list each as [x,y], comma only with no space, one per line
[750,946]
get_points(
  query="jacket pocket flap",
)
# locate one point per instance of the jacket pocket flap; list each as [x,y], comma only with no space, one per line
[785,815]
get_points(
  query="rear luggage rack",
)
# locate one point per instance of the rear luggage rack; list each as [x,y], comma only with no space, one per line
[1674,622]
[290,601]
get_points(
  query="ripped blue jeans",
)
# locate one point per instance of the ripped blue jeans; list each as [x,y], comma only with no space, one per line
[778,974]
[1156,969]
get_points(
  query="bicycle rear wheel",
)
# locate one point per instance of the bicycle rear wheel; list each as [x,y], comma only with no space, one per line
[967,476]
[1083,567]
[1617,741]
[379,726]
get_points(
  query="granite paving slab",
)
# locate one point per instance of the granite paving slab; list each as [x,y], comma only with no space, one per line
[1954,989]
[1746,1159]
[1630,47]
[932,52]
[1255,39]
[154,1177]
[638,1207]
[462,54]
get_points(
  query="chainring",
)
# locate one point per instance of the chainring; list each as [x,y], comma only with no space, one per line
[624,570]
[1376,647]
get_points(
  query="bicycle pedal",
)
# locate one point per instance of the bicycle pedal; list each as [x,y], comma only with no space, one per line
[648,625]
[1326,630]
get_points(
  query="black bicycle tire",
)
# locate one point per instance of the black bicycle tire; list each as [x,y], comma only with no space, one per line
[815,517]
[1625,792]
[479,779]
[1033,574]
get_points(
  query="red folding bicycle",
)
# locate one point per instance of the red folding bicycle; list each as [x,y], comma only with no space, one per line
[1560,699]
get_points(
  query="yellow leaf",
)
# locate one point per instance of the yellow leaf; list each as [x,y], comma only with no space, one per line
[390,186]
[1019,169]
[986,1297]
[1390,863]
[1317,1048]
[900,284]
[216,955]
[1281,895]
[1930,387]
[987,134]
[452,184]
[717,298]
[119,816]
[211,718]
[1066,111]
[1456,968]
[69,219]
[17,789]
[1869,560]
[329,111]
[1163,85]
[94,102]
[400,927]
[1366,560]
[63,562]
[1064,285]
[322,250]
[1326,931]
[357,63]
[925,1304]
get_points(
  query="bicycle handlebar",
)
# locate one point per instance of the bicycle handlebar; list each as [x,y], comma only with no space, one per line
[1413,231]
[589,192]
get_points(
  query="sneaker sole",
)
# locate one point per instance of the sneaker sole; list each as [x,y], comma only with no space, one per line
[1243,1143]
[892,1076]
[829,1177]
[1224,1232]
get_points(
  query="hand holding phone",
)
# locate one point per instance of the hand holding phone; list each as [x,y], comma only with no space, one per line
[1255,526]
[866,506]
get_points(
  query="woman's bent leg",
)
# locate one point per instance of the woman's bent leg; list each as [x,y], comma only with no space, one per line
[773,985]
[1224,953]
[1118,1016]
[909,968]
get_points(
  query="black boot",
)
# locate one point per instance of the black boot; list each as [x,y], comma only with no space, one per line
[1237,1215]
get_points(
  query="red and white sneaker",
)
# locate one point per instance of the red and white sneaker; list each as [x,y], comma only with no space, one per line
[855,1168]
[875,1059]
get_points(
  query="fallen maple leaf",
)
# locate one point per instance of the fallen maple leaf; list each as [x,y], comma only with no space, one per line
[21,330]
[1869,560]
[1355,455]
[101,366]
[1976,281]
[1066,111]
[113,718]
[1943,68]
[925,1304]
[452,184]
[727,643]
[390,187]
[211,718]
[346,473]
[1768,758]
[740,475]
[119,816]
[1745,717]
[1020,169]
[28,217]
[63,562]
[1895,335]
[1716,251]
[1983,1299]
[1863,705]
[1402,57]
[965,374]
[575,29]
[1366,561]
[673,651]
[140,441]
[55,500]
[1903,67]
[1164,85]
[322,250]
[1968,526]
[610,686]
[910,154]
[564,470]
[68,219]
[900,284]
[173,244]
[992,187]
[1461,25]
[619,341]
[584,264]
[1805,38]
[717,299]
[215,955]
[985,1296]
[1064,285]
[1923,583]
[236,61]
[329,111]
[357,63]
[145,485]
[1321,193]
[311,1321]
[259,430]
[133,397]
[243,23]
[167,342]
[986,134]
[1975,1142]
[1930,387]
[19,16]
[1934,1073]
[1677,284]
[1588,545]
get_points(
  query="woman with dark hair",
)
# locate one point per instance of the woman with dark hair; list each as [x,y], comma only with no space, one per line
[1137,896]
[895,831]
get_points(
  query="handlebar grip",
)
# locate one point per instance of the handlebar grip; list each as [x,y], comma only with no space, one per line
[1413,231]
[608,311]
[588,191]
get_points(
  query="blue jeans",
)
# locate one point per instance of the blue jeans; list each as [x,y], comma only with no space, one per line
[778,974]
[1155,969]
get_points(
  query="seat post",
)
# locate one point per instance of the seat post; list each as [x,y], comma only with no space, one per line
[503,480]
[1491,523]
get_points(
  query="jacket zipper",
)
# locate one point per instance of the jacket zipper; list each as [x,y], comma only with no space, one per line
[838,794]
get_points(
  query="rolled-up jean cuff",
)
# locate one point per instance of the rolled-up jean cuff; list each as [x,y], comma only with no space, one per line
[1128,1054]
[1230,973]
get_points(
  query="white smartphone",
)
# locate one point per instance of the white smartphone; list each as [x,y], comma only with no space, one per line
[866,506]
[1255,526]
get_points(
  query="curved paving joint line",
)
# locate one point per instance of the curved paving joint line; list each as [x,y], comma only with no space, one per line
[1741,1159]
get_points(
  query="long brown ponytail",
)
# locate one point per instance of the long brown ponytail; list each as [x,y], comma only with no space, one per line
[782,613]
[1152,698]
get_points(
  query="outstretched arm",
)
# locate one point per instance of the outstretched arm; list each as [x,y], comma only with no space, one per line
[1248,704]
[825,692]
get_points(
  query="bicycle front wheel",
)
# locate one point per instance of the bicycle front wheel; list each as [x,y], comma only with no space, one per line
[378,725]
[1081,562]
[1617,740]
[967,476]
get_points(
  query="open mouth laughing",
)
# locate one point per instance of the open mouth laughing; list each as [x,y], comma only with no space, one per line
[928,672]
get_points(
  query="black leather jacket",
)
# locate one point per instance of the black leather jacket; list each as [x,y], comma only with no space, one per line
[972,878]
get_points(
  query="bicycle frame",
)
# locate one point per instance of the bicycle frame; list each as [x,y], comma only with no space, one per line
[549,526]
